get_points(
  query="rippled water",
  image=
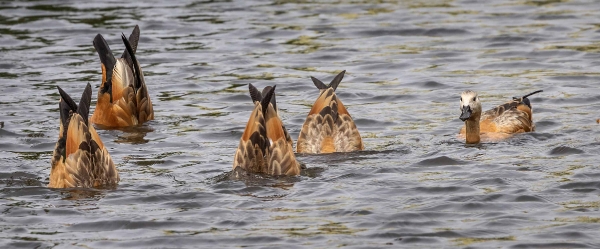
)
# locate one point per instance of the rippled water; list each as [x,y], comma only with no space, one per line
[416,185]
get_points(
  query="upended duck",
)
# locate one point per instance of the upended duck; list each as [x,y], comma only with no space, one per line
[80,158]
[328,127]
[266,146]
[498,123]
[123,98]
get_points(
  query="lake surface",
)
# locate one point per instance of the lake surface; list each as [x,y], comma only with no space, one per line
[415,186]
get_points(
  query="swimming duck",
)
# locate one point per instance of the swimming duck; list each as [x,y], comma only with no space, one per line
[512,117]
[328,127]
[80,158]
[265,146]
[123,98]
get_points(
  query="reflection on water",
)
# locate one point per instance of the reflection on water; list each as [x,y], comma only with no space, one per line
[415,185]
[133,135]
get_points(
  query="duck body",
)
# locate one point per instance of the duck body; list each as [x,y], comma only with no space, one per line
[123,98]
[80,158]
[498,123]
[328,127]
[265,146]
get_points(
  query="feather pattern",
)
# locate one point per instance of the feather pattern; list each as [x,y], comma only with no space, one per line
[264,146]
[127,101]
[329,127]
[79,158]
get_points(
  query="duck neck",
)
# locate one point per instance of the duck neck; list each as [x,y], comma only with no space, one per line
[472,126]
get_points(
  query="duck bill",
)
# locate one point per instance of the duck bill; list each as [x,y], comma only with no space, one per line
[466,113]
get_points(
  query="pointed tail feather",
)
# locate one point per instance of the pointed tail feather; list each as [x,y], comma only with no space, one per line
[66,105]
[319,84]
[336,81]
[254,93]
[134,38]
[106,57]
[273,101]
[538,91]
[267,98]
[84,103]
[136,66]
[67,99]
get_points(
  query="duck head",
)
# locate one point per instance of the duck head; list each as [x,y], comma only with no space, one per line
[469,105]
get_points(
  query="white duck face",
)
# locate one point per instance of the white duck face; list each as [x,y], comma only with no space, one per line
[469,104]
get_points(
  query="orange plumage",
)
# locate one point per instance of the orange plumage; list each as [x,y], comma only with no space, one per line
[265,146]
[80,158]
[328,127]
[495,124]
[123,98]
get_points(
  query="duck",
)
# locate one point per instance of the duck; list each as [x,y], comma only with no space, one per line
[123,98]
[328,127]
[495,124]
[266,146]
[80,159]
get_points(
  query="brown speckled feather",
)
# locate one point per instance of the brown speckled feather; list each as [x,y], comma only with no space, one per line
[281,158]
[264,146]
[79,158]
[328,126]
[123,98]
[251,151]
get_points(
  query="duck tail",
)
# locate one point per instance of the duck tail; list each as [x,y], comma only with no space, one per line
[337,80]
[273,100]
[136,66]
[319,84]
[538,91]
[267,98]
[106,57]
[254,93]
[525,97]
[134,39]
[525,100]
[84,103]
[66,105]
[333,84]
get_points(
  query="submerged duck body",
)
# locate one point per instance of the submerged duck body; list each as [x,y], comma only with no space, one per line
[80,158]
[266,146]
[328,127]
[498,123]
[123,98]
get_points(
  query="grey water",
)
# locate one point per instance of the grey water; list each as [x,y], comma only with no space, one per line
[415,186]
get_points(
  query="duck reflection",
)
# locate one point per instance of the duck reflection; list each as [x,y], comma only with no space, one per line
[133,135]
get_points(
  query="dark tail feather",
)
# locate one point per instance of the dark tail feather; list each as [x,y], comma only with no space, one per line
[106,56]
[134,38]
[319,84]
[84,103]
[273,101]
[136,67]
[66,105]
[267,98]
[67,99]
[254,93]
[336,81]
[525,100]
[538,91]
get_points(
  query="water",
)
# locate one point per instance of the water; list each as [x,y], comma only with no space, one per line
[416,185]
